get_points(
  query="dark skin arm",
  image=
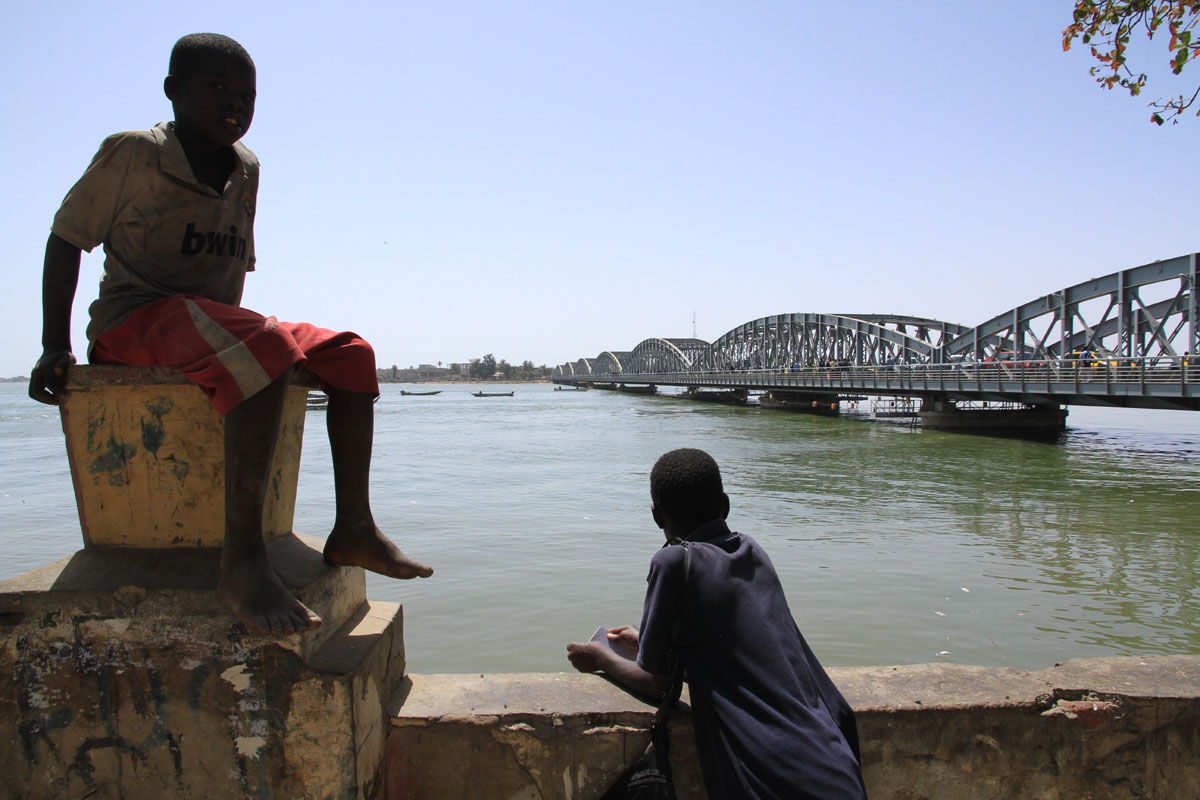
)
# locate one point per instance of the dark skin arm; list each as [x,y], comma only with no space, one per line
[597,657]
[60,276]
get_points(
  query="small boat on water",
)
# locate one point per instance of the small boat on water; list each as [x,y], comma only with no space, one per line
[492,394]
[570,389]
[420,394]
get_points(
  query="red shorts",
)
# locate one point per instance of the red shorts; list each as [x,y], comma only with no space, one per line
[232,352]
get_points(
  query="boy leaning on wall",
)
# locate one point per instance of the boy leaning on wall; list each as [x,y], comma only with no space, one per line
[769,723]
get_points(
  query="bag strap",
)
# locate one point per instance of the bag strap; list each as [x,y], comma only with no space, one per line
[674,663]
[687,555]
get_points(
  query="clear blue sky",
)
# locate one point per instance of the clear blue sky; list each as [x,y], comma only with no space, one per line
[547,180]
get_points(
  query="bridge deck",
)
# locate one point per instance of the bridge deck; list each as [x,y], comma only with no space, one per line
[1131,385]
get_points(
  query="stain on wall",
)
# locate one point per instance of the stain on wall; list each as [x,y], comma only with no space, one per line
[113,461]
[153,431]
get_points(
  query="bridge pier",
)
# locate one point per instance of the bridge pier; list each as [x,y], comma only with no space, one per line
[733,397]
[1041,420]
[820,403]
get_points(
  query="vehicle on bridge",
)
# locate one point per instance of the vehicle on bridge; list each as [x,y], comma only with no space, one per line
[1009,358]
[1094,358]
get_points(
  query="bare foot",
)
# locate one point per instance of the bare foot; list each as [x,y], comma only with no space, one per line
[370,549]
[259,599]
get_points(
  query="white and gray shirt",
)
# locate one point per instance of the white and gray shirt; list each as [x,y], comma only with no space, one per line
[164,233]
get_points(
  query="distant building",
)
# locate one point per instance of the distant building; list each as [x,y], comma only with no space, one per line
[425,372]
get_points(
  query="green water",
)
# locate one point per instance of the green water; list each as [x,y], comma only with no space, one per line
[894,545]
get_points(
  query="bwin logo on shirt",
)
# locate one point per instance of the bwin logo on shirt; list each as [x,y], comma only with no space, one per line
[213,243]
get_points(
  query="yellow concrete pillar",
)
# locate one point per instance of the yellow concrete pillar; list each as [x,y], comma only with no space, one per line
[147,455]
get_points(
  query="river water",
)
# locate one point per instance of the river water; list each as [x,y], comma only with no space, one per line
[895,545]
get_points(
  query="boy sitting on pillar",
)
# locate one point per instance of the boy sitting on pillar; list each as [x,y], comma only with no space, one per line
[174,208]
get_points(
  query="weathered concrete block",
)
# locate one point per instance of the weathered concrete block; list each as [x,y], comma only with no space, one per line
[1101,729]
[527,736]
[128,677]
[147,456]
[1094,729]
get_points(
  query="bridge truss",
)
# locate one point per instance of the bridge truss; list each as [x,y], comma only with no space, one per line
[1128,338]
[1147,314]
[611,363]
[785,340]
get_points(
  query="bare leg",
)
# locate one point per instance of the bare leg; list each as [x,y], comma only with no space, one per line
[355,539]
[248,583]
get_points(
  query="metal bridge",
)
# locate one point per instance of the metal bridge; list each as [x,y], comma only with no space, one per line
[1127,339]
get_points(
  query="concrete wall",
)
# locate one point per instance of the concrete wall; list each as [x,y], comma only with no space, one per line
[125,676]
[1094,729]
[147,457]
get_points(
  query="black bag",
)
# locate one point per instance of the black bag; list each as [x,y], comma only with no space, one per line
[649,776]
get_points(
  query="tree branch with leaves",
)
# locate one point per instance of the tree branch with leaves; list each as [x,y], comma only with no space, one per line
[1107,26]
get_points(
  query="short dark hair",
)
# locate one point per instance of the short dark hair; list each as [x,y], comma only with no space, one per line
[685,484]
[195,49]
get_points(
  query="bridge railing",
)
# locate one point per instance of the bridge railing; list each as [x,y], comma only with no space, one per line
[1161,371]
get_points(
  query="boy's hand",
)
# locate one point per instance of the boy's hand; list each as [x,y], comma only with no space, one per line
[588,656]
[624,638]
[48,382]
[599,657]
[49,379]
